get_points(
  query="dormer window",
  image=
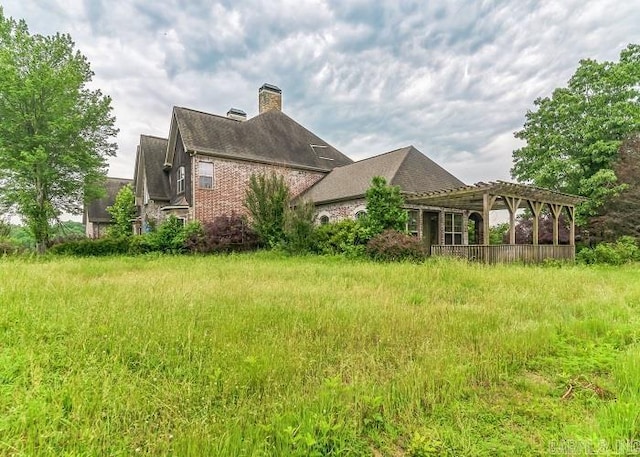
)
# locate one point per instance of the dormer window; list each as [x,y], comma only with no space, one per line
[180,181]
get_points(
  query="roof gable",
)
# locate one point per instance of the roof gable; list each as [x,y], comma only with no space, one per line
[271,137]
[97,209]
[406,167]
[149,168]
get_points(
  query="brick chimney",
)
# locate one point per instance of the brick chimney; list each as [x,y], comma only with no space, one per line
[269,98]
[237,114]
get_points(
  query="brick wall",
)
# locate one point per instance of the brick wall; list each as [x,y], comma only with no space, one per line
[230,180]
[341,210]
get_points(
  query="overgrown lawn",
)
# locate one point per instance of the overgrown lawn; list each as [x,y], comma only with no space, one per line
[266,355]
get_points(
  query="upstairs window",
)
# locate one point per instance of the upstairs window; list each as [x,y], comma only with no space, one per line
[205,173]
[180,181]
[452,228]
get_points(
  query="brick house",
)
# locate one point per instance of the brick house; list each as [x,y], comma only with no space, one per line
[202,170]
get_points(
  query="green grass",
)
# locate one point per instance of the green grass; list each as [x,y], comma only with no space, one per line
[267,355]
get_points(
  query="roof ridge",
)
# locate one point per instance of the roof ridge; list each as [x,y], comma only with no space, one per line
[380,155]
[206,114]
[154,136]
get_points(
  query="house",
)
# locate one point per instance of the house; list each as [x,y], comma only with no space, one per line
[96,218]
[201,171]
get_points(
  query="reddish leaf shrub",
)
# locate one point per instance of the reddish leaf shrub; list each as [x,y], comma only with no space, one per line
[229,233]
[395,246]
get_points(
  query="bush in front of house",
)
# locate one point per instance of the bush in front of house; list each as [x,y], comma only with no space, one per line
[394,246]
[347,237]
[624,250]
[92,248]
[229,233]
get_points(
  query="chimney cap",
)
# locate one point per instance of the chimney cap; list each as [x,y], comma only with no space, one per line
[236,111]
[271,88]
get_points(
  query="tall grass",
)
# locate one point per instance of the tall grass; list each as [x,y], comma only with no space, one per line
[266,355]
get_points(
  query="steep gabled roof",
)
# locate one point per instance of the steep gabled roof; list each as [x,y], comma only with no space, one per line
[96,211]
[271,137]
[149,163]
[406,167]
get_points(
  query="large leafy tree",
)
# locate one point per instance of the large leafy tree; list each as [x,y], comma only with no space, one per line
[55,132]
[573,137]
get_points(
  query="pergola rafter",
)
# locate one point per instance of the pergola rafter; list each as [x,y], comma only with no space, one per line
[498,195]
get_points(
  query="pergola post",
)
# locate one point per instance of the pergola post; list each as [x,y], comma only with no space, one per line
[512,204]
[571,210]
[536,208]
[555,212]
[487,203]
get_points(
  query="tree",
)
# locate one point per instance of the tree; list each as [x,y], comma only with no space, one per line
[573,137]
[384,207]
[267,200]
[55,132]
[620,216]
[122,211]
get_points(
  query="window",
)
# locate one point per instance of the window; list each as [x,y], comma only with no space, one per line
[360,214]
[205,173]
[452,228]
[324,219]
[180,181]
[412,222]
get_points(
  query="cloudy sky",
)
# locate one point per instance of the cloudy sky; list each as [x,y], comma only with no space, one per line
[454,78]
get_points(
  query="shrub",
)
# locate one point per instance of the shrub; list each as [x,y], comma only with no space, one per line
[223,234]
[267,199]
[87,247]
[624,250]
[347,237]
[384,207]
[392,245]
[298,228]
[169,236]
[10,247]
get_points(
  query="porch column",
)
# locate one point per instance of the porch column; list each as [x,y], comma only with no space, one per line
[571,210]
[536,208]
[512,204]
[555,212]
[487,204]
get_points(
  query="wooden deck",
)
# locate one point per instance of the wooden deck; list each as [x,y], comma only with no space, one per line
[505,253]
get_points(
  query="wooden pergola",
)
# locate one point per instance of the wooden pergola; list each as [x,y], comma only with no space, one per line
[482,198]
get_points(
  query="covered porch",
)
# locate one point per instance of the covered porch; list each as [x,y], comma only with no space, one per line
[478,200]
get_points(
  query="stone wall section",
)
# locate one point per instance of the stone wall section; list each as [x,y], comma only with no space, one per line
[230,181]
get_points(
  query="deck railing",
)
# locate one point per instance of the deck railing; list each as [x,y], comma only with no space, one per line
[504,253]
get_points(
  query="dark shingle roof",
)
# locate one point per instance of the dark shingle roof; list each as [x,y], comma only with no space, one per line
[407,167]
[151,154]
[97,209]
[271,137]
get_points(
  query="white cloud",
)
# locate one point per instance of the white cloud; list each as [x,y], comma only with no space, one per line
[454,78]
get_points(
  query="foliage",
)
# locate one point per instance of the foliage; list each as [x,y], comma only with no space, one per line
[269,355]
[347,237]
[573,137]
[619,216]
[229,233]
[122,212]
[92,247]
[298,227]
[384,207]
[170,236]
[624,250]
[55,134]
[267,200]
[393,246]
[498,232]
[524,229]
[5,229]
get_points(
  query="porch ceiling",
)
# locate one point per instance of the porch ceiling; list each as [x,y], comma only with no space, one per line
[471,197]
